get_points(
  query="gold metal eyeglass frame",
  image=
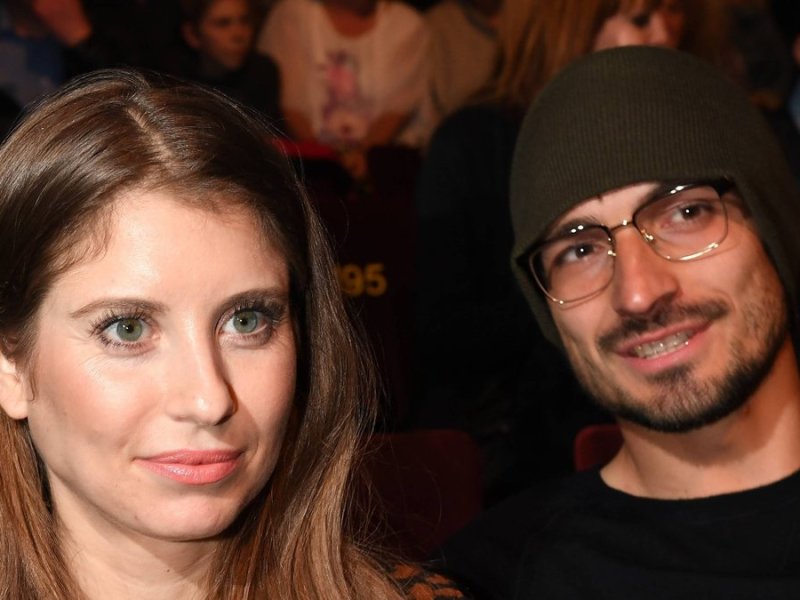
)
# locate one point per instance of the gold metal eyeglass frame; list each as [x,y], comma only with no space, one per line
[722,186]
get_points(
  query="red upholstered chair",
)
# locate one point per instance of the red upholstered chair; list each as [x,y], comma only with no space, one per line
[596,445]
[429,485]
[305,150]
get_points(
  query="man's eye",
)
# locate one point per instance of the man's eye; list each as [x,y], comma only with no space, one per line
[575,253]
[688,216]
[686,211]
[690,212]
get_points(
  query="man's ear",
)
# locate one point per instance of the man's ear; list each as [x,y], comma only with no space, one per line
[15,391]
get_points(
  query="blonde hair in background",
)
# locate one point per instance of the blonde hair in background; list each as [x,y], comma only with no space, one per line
[538,38]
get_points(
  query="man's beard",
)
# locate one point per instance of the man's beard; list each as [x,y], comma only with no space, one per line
[682,401]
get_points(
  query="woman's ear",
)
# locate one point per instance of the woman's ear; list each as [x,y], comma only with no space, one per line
[15,391]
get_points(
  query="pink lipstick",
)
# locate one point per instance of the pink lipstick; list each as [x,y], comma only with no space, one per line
[193,467]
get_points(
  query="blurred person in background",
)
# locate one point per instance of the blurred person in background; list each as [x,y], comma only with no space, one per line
[221,34]
[353,73]
[464,50]
[45,42]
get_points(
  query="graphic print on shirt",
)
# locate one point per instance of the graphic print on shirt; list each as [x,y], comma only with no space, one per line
[346,113]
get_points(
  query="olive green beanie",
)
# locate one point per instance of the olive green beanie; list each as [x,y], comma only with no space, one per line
[639,114]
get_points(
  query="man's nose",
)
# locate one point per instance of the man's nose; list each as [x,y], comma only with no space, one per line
[643,281]
[200,390]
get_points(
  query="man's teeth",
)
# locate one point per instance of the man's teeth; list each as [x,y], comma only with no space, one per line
[668,344]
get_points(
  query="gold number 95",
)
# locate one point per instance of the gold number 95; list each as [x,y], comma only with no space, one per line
[357,280]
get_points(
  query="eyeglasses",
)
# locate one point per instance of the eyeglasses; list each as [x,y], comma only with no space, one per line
[687,222]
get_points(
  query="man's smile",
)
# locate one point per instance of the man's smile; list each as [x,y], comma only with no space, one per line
[662,346]
[665,331]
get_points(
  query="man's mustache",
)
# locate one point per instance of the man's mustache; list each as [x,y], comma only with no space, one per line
[633,326]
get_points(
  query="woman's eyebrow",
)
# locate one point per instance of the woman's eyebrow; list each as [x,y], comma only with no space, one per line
[120,305]
[277,293]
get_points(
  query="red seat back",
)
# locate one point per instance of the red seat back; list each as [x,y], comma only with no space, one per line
[596,445]
[429,484]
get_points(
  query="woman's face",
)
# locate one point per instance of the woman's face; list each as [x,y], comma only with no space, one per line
[163,374]
[642,26]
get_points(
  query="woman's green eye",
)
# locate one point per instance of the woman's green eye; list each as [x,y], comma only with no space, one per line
[250,326]
[246,321]
[129,330]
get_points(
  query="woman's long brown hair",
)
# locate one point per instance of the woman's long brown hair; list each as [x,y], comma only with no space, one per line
[60,172]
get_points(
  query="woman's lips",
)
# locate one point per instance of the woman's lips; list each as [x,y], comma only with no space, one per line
[193,467]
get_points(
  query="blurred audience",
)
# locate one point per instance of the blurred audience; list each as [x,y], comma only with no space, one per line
[463,50]
[353,73]
[97,33]
[32,57]
[787,16]
[760,60]
[45,42]
[221,34]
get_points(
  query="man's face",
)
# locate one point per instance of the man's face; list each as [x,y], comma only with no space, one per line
[674,345]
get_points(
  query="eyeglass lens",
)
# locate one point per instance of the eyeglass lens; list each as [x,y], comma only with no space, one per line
[682,225]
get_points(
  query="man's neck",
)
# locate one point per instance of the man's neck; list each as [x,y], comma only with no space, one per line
[756,445]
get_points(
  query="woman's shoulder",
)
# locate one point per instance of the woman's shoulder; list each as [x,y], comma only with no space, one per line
[421,584]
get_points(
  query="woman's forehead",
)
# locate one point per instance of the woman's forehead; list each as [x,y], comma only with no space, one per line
[155,242]
[102,228]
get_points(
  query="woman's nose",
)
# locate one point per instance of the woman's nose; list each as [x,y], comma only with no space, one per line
[201,392]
